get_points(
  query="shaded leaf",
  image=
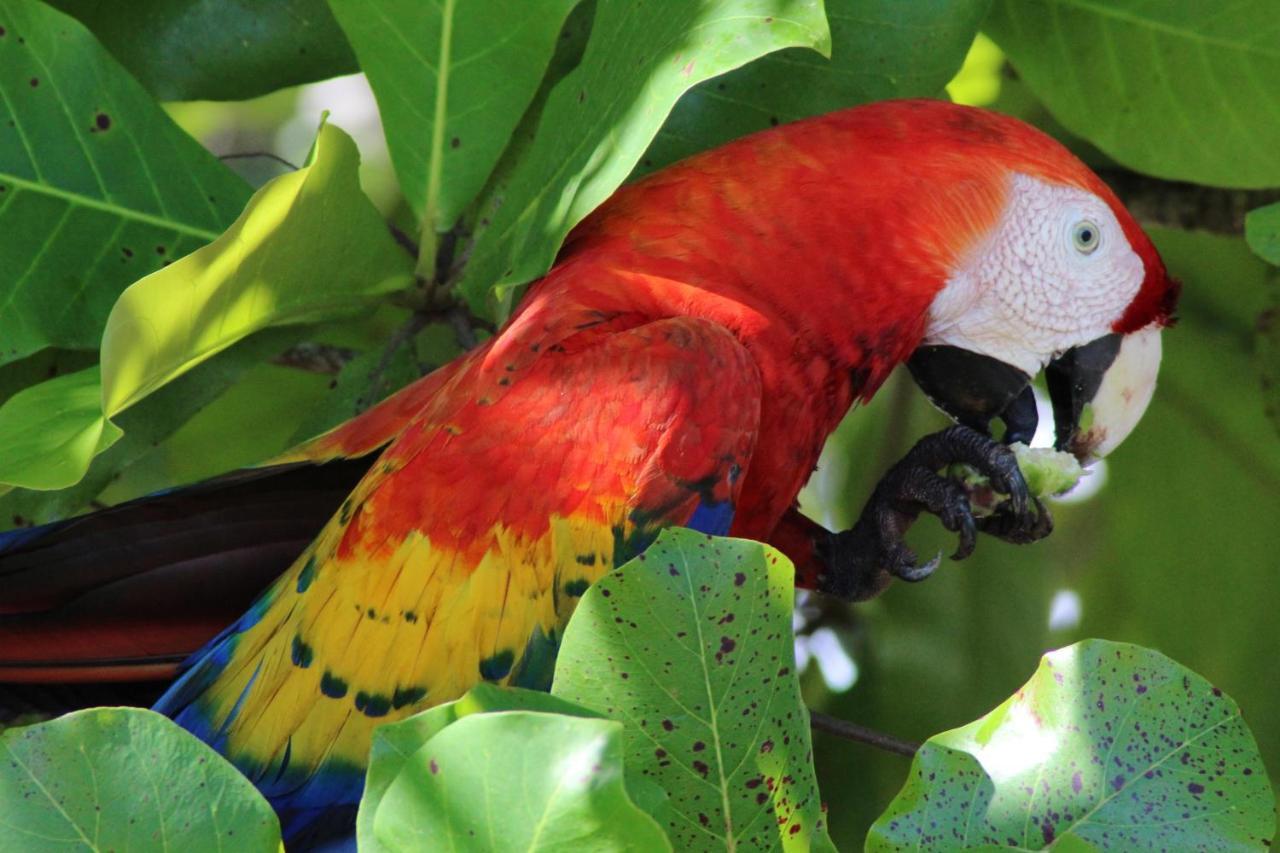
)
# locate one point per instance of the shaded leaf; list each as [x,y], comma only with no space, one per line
[398,754]
[186,50]
[599,119]
[1108,744]
[125,779]
[1115,72]
[452,80]
[98,187]
[879,49]
[690,645]
[309,246]
[52,430]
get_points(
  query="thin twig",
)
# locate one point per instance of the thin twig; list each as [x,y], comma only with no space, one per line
[862,734]
[245,155]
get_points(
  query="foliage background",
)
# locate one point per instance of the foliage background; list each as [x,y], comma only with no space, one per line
[1175,544]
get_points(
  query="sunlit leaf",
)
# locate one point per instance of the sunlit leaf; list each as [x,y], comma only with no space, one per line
[544,774]
[1108,744]
[125,779]
[879,49]
[1146,82]
[309,246]
[599,119]
[52,430]
[452,80]
[145,426]
[690,646]
[184,50]
[98,187]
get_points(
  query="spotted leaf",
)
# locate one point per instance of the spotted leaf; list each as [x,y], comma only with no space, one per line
[690,646]
[1109,746]
[125,779]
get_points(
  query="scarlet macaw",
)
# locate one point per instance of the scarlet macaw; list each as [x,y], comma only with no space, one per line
[700,337]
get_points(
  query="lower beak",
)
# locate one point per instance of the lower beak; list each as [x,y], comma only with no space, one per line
[1100,390]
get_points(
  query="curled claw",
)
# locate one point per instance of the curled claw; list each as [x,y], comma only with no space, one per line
[915,574]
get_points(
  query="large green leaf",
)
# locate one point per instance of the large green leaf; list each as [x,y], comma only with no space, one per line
[1109,746]
[309,246]
[125,779]
[98,187]
[501,778]
[1169,88]
[599,119]
[690,645]
[879,49]
[452,80]
[52,430]
[184,50]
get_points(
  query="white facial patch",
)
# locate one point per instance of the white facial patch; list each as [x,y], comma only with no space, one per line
[1056,272]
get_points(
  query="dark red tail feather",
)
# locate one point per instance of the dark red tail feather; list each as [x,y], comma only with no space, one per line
[127,593]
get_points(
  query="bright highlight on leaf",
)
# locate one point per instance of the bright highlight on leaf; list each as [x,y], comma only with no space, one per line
[1108,746]
[309,246]
[125,779]
[690,646]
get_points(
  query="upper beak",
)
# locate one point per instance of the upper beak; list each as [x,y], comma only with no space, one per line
[1100,390]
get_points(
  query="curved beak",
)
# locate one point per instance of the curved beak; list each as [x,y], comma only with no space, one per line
[1100,390]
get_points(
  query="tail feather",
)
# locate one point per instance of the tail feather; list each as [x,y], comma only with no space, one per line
[128,593]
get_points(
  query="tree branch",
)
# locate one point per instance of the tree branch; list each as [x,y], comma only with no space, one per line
[861,734]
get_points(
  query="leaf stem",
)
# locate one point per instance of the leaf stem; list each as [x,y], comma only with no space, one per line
[862,734]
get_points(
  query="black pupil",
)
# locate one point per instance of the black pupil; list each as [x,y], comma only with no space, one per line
[1086,235]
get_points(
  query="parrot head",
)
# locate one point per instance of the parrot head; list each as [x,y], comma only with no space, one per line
[1059,278]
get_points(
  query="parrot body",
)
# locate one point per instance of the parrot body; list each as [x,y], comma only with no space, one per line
[701,335]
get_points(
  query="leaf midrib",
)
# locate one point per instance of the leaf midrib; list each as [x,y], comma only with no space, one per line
[117,210]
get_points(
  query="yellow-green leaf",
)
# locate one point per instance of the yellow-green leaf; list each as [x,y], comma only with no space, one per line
[52,430]
[309,246]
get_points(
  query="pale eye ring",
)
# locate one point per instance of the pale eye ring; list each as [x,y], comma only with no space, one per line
[1085,236]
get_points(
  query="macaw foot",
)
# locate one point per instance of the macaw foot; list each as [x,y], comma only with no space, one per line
[862,561]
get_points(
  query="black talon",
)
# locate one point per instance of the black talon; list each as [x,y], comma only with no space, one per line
[862,561]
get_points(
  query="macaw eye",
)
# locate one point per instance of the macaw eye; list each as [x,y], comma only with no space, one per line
[1085,236]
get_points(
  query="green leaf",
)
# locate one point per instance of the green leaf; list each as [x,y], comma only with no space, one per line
[186,50]
[400,764]
[879,49]
[1262,232]
[690,645]
[1164,88]
[97,185]
[146,427]
[1108,746]
[125,779]
[52,430]
[309,246]
[452,80]
[599,119]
